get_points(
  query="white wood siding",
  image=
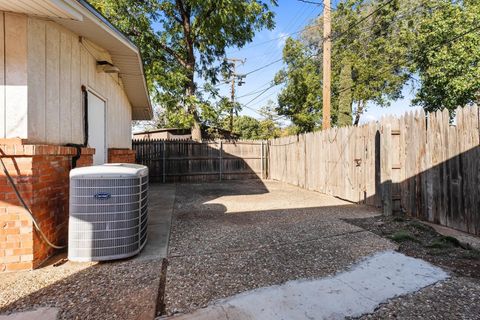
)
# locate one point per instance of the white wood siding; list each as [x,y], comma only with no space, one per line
[58,65]
[13,76]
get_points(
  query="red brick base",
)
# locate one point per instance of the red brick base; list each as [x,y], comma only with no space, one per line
[41,174]
[121,156]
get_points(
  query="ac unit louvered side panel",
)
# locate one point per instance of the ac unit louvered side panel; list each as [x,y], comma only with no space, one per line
[110,226]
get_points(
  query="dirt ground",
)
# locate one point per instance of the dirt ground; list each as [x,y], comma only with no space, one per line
[235,236]
[231,237]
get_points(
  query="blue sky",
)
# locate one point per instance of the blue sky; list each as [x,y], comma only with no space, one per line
[291,16]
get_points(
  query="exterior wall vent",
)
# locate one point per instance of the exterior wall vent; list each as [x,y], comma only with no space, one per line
[108,212]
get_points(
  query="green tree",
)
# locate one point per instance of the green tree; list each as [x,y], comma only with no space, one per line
[369,64]
[301,98]
[246,127]
[185,40]
[447,55]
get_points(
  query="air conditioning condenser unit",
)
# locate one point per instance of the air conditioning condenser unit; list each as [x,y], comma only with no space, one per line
[108,212]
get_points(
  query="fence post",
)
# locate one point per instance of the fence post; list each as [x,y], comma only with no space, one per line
[163,162]
[221,159]
[386,169]
[262,157]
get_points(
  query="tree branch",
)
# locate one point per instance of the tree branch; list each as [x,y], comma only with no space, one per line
[185,13]
[173,54]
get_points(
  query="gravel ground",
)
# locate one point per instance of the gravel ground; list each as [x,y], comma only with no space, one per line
[455,298]
[116,290]
[237,236]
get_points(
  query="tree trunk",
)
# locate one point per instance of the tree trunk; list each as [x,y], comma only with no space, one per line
[196,129]
[185,12]
[358,113]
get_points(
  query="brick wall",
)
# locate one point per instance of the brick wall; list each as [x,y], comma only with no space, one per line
[121,156]
[41,174]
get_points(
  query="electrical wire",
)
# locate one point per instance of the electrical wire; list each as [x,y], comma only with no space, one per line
[440,44]
[24,204]
[260,94]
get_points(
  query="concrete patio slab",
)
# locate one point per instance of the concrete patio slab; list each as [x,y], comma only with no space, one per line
[236,236]
[358,291]
[39,314]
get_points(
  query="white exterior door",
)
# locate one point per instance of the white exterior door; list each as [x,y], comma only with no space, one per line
[96,128]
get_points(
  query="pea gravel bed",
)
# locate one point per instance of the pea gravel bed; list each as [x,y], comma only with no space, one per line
[455,298]
[115,290]
[230,237]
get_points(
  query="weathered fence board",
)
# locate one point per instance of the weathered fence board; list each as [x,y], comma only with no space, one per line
[419,164]
[188,161]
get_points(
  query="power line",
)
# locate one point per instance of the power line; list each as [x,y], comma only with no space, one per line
[263,67]
[256,91]
[440,44]
[311,2]
[350,28]
[261,93]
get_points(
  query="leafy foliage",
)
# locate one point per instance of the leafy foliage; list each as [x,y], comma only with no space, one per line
[447,55]
[301,98]
[250,128]
[368,65]
[185,40]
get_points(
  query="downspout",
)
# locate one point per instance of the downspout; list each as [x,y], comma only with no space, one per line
[79,147]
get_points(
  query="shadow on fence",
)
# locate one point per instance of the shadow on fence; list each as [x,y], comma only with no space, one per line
[419,164]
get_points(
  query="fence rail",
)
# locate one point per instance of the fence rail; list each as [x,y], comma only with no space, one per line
[420,164]
[188,161]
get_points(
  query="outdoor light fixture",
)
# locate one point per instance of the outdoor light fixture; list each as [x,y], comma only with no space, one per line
[107,67]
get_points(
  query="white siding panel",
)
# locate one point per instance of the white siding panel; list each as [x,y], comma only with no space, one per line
[2,79]
[53,84]
[36,80]
[16,76]
[76,94]
[66,66]
[65,87]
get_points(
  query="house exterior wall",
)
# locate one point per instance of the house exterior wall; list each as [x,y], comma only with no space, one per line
[121,156]
[45,67]
[41,174]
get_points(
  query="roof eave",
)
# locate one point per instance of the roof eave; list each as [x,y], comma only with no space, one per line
[146,112]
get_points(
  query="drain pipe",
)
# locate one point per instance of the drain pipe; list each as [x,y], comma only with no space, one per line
[77,146]
[20,199]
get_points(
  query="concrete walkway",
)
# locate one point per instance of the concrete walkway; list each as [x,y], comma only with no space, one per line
[358,291]
[160,208]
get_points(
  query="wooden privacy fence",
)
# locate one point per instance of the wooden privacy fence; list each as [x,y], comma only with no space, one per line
[188,161]
[420,164]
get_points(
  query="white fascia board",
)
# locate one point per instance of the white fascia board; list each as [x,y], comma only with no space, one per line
[70,8]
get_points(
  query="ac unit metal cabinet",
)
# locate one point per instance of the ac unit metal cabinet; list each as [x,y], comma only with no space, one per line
[108,212]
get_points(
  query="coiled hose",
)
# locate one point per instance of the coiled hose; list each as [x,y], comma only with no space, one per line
[20,199]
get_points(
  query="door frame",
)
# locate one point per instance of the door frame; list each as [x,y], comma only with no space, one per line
[105,122]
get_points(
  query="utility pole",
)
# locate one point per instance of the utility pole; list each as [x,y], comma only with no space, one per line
[327,62]
[232,94]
